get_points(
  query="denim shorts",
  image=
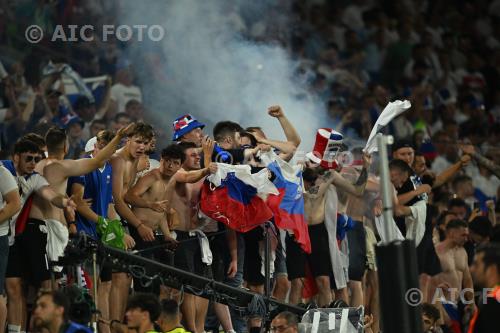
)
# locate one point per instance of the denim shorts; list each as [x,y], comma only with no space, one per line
[4,250]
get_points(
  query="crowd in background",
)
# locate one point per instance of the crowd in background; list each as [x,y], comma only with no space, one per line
[443,56]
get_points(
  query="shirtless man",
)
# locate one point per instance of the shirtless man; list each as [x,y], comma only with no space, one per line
[26,155]
[314,207]
[453,260]
[188,254]
[223,246]
[286,150]
[57,170]
[125,167]
[150,198]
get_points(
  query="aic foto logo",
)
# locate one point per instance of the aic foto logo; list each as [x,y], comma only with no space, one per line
[87,33]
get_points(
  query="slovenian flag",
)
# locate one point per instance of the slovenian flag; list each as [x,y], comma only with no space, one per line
[288,205]
[233,196]
[454,315]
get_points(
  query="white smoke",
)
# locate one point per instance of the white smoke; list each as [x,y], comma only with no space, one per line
[216,74]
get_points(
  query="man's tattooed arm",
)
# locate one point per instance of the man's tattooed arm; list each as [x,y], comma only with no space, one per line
[314,189]
[363,177]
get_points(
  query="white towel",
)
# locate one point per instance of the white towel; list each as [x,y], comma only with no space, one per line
[379,224]
[57,239]
[338,256]
[415,224]
[206,253]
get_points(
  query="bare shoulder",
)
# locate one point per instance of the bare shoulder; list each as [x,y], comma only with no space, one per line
[153,175]
[55,166]
[117,158]
[462,254]
[439,248]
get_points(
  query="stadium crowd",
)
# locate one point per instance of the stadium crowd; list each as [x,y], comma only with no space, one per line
[93,160]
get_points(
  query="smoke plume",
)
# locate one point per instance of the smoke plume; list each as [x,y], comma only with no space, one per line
[215,73]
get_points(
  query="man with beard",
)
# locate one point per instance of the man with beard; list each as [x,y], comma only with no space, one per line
[453,259]
[315,209]
[486,273]
[51,314]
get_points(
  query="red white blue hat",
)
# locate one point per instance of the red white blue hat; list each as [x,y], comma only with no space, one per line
[184,125]
[328,143]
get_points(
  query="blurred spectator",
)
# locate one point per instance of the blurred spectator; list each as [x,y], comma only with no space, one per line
[124,90]
[121,120]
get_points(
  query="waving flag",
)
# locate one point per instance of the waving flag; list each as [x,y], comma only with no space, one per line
[288,205]
[391,111]
[231,196]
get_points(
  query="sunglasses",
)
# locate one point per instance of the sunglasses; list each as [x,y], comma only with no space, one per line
[31,158]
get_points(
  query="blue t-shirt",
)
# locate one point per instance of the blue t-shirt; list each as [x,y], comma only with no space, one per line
[98,187]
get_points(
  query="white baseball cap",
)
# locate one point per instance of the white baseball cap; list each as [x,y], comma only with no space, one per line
[90,145]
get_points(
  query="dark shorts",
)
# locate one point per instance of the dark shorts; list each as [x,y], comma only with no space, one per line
[106,272]
[252,268]
[220,255]
[427,259]
[319,259]
[162,255]
[187,255]
[357,251]
[27,257]
[296,259]
[4,250]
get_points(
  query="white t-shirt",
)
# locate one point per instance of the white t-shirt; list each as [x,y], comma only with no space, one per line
[7,185]
[121,94]
[28,186]
[440,164]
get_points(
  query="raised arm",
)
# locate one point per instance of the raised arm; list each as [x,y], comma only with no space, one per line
[291,133]
[106,104]
[358,187]
[447,174]
[86,165]
[285,147]
[488,164]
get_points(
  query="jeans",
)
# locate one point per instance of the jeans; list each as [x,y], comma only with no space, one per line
[239,323]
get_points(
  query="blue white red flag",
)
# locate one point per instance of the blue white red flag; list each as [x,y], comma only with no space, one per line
[288,205]
[231,196]
[454,315]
